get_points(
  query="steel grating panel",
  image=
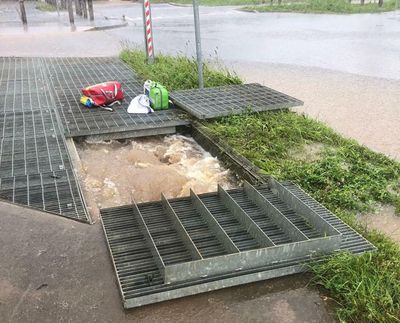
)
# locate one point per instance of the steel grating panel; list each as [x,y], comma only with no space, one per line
[35,168]
[68,76]
[172,248]
[22,85]
[54,192]
[222,101]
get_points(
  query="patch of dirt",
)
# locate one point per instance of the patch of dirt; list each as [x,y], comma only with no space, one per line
[394,188]
[308,153]
[384,220]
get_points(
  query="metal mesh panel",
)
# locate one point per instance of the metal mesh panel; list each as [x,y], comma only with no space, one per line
[22,85]
[137,238]
[233,99]
[69,75]
[54,192]
[35,169]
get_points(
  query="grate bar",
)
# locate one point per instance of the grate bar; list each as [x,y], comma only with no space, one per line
[146,233]
[213,224]
[187,240]
[278,218]
[254,230]
[300,207]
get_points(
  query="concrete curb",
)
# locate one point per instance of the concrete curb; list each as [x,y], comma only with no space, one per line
[246,10]
[98,28]
[179,4]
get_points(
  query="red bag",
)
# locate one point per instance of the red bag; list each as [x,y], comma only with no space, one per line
[104,94]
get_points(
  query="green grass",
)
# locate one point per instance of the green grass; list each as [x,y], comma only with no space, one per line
[176,73]
[343,175]
[44,6]
[214,2]
[324,6]
[306,6]
[366,287]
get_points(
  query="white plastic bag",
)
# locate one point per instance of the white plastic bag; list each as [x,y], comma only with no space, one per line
[140,104]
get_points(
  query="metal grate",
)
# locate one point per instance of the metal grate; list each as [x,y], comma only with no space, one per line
[55,192]
[22,85]
[35,168]
[69,75]
[222,101]
[173,248]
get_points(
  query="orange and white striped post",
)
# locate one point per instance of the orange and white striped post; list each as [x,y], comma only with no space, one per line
[148,31]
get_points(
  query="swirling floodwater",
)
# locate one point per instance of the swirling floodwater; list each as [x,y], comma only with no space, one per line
[113,172]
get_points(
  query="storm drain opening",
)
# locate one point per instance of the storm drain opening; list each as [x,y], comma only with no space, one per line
[177,224]
[184,214]
[113,172]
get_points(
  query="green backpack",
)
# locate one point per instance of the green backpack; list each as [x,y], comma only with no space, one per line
[158,96]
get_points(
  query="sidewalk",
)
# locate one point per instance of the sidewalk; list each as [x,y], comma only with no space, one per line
[57,270]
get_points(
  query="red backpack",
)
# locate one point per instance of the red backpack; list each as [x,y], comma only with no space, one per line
[104,94]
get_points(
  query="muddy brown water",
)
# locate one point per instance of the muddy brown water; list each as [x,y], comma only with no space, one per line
[115,171]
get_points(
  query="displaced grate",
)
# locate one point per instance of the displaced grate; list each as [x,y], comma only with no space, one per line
[173,248]
[222,101]
[68,76]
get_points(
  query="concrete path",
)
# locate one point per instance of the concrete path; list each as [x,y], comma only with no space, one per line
[58,270]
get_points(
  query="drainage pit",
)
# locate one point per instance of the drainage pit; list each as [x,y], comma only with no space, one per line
[113,172]
[172,231]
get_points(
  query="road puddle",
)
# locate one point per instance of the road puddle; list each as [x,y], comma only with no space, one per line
[384,220]
[112,172]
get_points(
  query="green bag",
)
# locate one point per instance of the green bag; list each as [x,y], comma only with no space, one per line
[158,96]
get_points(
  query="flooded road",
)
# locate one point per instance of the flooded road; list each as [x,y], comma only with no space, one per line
[384,220]
[364,44]
[113,172]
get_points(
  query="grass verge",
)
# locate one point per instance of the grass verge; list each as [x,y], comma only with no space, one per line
[176,73]
[324,6]
[215,2]
[340,173]
[44,6]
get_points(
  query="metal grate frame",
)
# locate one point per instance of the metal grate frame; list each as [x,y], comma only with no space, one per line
[173,248]
[222,101]
[68,76]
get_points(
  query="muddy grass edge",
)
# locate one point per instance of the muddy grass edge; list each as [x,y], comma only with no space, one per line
[346,177]
[323,7]
[297,6]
